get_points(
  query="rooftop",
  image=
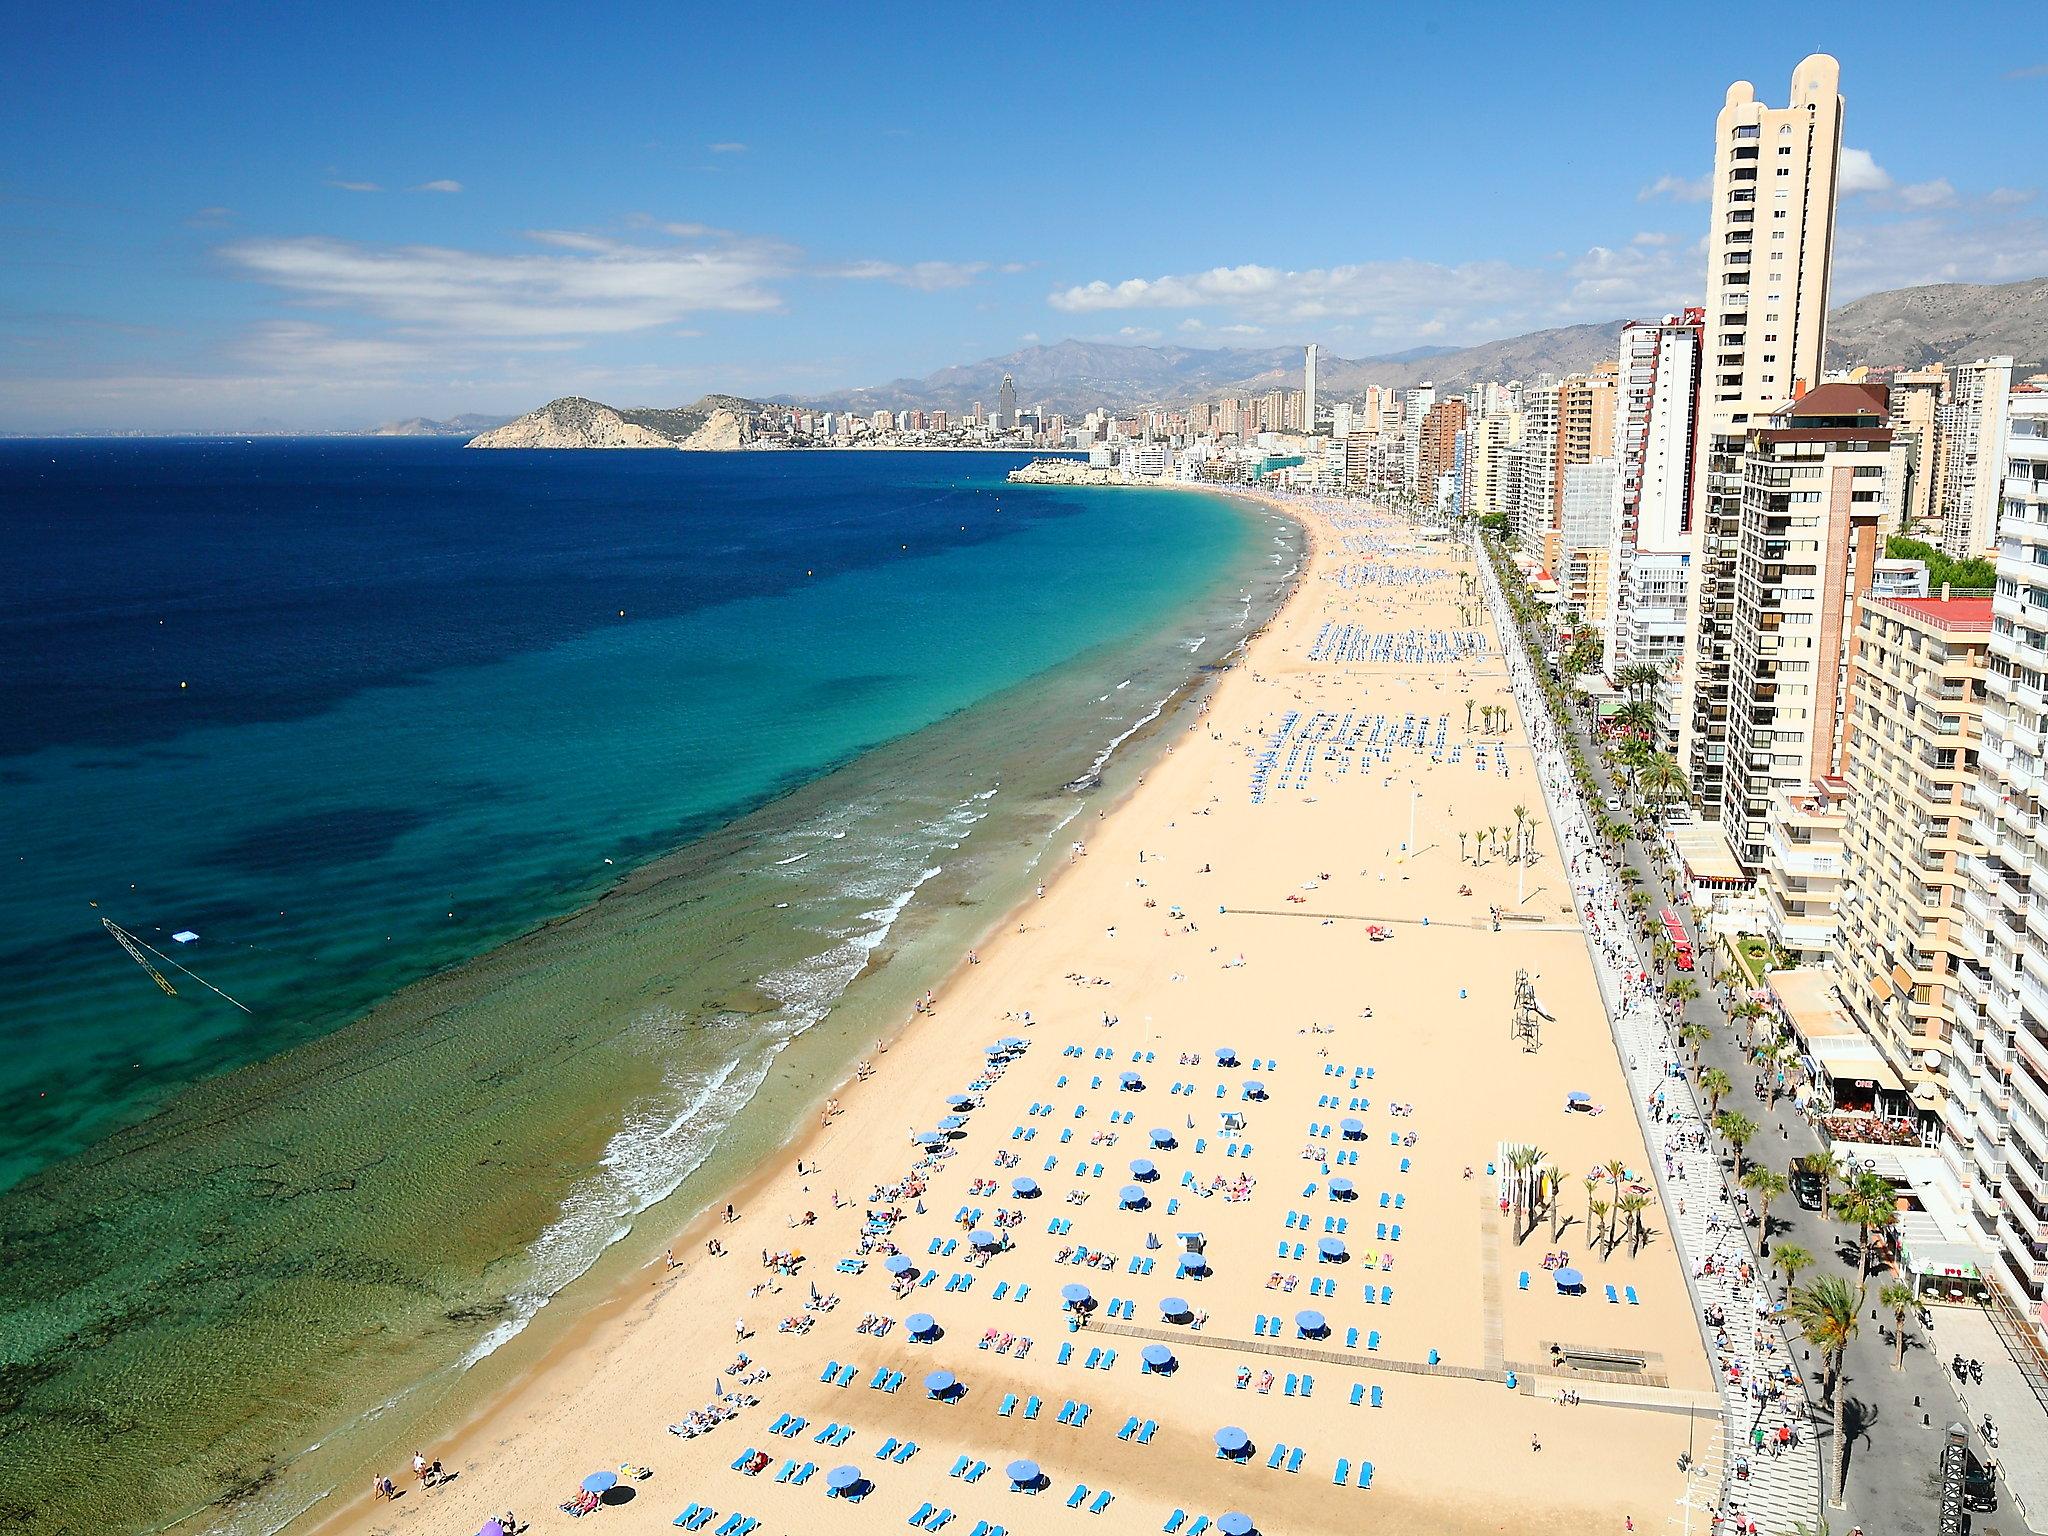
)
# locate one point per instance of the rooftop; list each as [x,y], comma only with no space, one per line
[1967,614]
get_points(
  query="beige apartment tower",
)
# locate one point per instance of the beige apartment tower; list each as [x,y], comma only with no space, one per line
[1770,244]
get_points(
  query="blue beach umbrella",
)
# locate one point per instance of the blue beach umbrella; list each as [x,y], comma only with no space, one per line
[1194,1264]
[1254,1089]
[1236,1523]
[919,1324]
[1226,1055]
[1340,1189]
[1024,1473]
[939,1383]
[1352,1129]
[1231,1440]
[1158,1356]
[1130,1080]
[1076,1295]
[842,1478]
[1130,1197]
[600,1482]
[1309,1322]
[995,1050]
[1570,1280]
[928,1139]
[984,1239]
[1024,1188]
[951,1123]
[1012,1042]
[1332,1248]
[1162,1138]
[1141,1168]
[1173,1307]
[898,1264]
[959,1101]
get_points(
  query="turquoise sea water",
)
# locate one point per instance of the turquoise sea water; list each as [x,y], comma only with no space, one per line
[833,727]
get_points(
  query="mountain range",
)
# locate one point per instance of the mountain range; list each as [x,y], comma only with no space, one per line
[1905,327]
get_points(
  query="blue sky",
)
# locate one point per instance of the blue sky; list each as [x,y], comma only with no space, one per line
[215,215]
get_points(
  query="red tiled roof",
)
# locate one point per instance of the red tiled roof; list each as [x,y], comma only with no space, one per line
[1948,612]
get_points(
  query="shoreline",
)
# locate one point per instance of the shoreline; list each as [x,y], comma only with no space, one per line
[601,1391]
[604,1293]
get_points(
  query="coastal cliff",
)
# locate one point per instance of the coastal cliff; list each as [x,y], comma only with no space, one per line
[714,423]
[1063,472]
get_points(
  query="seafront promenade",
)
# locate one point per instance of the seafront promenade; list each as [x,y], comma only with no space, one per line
[1757,1475]
[1217,1190]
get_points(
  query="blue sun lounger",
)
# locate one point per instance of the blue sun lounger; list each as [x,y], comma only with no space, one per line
[1074,1499]
[1101,1502]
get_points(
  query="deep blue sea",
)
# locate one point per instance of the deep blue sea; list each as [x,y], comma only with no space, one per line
[535,806]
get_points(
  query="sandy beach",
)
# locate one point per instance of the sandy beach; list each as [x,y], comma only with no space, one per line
[1223,926]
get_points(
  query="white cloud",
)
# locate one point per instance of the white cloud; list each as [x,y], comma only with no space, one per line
[728,147]
[355,186]
[1241,330]
[1860,173]
[587,286]
[1677,189]
[2011,197]
[209,218]
[925,276]
[1937,193]
[1653,238]
[1191,324]
[2029,72]
[437,186]
[1029,336]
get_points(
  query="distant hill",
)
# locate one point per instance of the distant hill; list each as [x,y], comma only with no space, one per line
[1943,323]
[715,422]
[423,426]
[1948,322]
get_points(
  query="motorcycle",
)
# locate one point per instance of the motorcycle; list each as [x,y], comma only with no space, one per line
[1977,1371]
[1960,1366]
[1990,1431]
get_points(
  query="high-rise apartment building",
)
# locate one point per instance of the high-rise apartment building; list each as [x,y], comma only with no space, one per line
[1998,1058]
[1006,405]
[1656,417]
[1536,496]
[1585,422]
[1916,401]
[1585,538]
[1972,432]
[1490,473]
[1770,242]
[1814,505]
[1308,390]
[1415,405]
[1437,447]
[1915,726]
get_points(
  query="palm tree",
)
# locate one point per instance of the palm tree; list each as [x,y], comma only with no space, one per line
[1592,1183]
[1869,1203]
[1826,1313]
[1616,1170]
[1633,1204]
[1694,1036]
[1662,779]
[1598,1210]
[1681,989]
[1789,1259]
[1468,715]
[1637,716]
[1897,1299]
[1553,1180]
[1524,1159]
[1738,1130]
[1661,950]
[1767,1184]
[1461,847]
[1713,1083]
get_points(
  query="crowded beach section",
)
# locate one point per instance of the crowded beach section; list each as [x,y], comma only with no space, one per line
[1271,1168]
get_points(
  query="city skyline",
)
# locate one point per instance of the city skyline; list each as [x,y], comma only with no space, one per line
[208,225]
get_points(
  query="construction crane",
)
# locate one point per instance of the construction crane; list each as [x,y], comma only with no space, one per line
[135,948]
